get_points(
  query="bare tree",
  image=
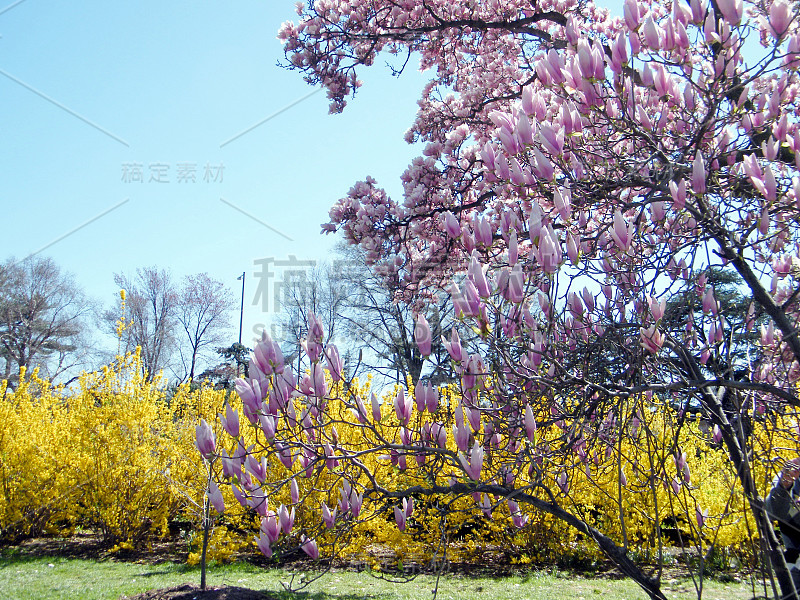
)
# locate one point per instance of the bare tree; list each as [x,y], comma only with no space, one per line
[151,302]
[203,312]
[382,327]
[318,291]
[371,328]
[44,317]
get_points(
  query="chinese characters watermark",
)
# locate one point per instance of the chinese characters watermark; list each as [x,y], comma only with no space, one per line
[292,285]
[161,172]
[288,272]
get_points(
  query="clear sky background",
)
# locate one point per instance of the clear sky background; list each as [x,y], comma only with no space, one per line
[98,93]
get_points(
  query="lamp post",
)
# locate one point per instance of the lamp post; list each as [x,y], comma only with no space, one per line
[241,317]
[241,311]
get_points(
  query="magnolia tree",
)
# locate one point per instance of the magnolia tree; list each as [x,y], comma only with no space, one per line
[579,171]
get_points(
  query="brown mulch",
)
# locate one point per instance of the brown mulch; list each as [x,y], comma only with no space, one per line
[91,546]
[189,591]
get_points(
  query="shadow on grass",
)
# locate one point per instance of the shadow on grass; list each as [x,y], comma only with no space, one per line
[284,595]
[13,557]
[157,573]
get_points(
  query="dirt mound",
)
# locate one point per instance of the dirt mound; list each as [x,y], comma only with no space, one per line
[192,592]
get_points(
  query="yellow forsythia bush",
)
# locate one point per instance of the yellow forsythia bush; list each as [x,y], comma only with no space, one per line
[37,494]
[116,453]
[642,502]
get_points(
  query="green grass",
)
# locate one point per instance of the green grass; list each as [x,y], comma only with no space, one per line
[23,578]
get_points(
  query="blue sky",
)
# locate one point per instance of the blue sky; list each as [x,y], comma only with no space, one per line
[98,94]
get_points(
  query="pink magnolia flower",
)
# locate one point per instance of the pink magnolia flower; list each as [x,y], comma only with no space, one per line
[313,342]
[267,356]
[485,505]
[619,53]
[651,339]
[330,456]
[230,467]
[249,391]
[630,10]
[548,252]
[320,386]
[732,10]
[461,434]
[483,230]
[782,265]
[513,249]
[535,224]
[453,347]
[215,497]
[328,517]
[563,482]
[422,335]
[680,460]
[286,519]
[402,406]
[451,224]
[542,166]
[678,193]
[295,491]
[426,397]
[361,410]
[400,518]
[767,334]
[258,501]
[356,502]
[403,512]
[575,305]
[517,517]
[699,173]
[408,507]
[474,464]
[478,277]
[562,203]
[652,33]
[473,417]
[489,157]
[255,468]
[573,252]
[344,500]
[376,407]
[511,283]
[334,362]
[709,301]
[264,545]
[285,454]
[205,441]
[439,435]
[309,546]
[268,424]
[751,317]
[657,308]
[238,494]
[530,424]
[405,436]
[270,527]
[230,421]
[702,516]
[621,232]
